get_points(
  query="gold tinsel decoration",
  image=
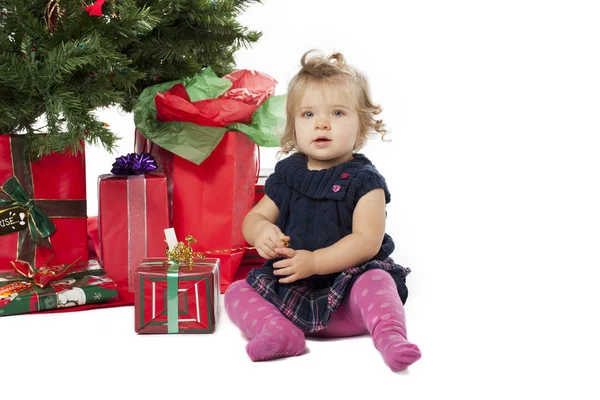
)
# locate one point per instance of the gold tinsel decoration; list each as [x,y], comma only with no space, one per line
[183,254]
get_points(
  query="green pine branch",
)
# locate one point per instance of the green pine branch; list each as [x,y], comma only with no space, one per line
[58,77]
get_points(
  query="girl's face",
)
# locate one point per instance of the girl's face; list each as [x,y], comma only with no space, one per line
[326,126]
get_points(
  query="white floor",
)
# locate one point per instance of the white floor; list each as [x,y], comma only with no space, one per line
[97,355]
[493,170]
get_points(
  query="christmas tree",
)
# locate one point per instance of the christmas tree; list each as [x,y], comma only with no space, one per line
[62,59]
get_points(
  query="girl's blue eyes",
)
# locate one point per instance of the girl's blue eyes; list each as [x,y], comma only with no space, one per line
[337,113]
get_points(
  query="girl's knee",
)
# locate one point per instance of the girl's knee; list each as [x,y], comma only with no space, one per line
[375,276]
[235,288]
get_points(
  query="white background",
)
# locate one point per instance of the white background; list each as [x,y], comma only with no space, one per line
[493,170]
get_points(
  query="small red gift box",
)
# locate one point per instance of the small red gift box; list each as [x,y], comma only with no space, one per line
[174,298]
[133,213]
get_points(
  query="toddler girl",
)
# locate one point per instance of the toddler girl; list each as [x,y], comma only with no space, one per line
[321,228]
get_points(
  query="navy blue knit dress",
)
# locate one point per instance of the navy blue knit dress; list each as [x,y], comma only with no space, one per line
[315,211]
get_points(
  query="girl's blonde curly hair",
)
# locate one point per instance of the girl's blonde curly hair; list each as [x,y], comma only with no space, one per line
[326,73]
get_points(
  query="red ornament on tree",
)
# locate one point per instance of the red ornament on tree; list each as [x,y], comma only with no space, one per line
[95,10]
[51,14]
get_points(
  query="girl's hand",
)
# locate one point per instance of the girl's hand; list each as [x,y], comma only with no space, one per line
[267,238]
[300,264]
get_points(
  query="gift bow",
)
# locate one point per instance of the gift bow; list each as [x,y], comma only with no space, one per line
[183,254]
[40,225]
[42,276]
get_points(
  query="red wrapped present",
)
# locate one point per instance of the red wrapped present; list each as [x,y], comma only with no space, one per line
[204,148]
[42,206]
[133,212]
[25,290]
[212,199]
[177,298]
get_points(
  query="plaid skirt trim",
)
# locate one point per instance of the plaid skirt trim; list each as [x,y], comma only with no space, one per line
[309,308]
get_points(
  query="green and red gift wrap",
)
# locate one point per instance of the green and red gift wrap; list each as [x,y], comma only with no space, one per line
[47,198]
[176,298]
[83,283]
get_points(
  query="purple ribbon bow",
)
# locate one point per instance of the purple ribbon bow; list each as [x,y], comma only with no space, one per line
[134,164]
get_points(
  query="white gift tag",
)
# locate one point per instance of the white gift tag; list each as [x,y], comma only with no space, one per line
[171,238]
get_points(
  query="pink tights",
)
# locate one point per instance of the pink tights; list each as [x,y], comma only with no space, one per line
[372,306]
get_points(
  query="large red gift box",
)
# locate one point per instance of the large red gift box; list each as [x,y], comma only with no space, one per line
[211,200]
[133,212]
[211,177]
[55,186]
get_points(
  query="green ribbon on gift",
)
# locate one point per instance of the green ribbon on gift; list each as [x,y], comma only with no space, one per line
[194,142]
[40,225]
[173,298]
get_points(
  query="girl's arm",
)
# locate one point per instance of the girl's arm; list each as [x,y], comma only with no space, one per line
[368,229]
[264,212]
